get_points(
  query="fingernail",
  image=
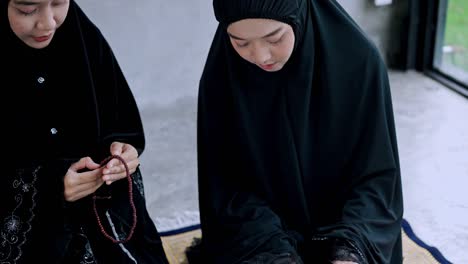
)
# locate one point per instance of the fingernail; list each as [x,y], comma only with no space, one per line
[108,182]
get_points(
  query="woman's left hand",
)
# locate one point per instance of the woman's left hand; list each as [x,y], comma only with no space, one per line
[115,170]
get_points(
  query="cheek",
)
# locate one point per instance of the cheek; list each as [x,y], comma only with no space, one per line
[60,18]
[61,15]
[59,21]
[280,54]
[18,26]
[284,51]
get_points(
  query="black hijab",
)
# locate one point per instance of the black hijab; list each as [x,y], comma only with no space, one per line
[66,101]
[291,160]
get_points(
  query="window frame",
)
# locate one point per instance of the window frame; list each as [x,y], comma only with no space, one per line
[425,34]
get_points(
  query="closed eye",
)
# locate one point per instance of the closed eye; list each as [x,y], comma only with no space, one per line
[242,45]
[276,41]
[28,12]
[59,3]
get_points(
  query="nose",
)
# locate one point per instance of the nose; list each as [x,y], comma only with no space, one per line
[46,20]
[260,54]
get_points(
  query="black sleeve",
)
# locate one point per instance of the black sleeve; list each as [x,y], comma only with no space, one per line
[370,223]
[227,209]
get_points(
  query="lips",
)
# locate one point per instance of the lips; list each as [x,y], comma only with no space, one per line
[42,38]
[268,66]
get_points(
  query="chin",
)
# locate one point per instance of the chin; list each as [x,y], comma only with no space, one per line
[40,45]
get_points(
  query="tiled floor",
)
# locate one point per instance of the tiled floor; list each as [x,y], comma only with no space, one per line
[163,67]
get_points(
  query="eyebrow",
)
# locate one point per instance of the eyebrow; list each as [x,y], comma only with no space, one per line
[274,32]
[26,3]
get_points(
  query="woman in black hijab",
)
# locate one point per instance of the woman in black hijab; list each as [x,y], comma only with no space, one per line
[70,108]
[298,158]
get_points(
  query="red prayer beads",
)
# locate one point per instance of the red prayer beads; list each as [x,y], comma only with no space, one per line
[130,196]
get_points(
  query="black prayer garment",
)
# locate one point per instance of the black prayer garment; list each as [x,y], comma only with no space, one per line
[61,103]
[302,162]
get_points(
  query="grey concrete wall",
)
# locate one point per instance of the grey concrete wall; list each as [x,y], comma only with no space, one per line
[385,25]
[160,45]
[146,34]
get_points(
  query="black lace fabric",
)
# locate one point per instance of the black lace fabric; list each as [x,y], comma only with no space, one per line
[18,211]
[344,251]
[138,181]
[79,250]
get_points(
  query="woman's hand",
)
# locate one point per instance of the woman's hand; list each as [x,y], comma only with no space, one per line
[115,170]
[81,184]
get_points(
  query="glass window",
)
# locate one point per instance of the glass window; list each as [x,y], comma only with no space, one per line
[451,47]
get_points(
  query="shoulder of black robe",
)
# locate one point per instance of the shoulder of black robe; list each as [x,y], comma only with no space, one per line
[119,118]
[84,95]
[292,159]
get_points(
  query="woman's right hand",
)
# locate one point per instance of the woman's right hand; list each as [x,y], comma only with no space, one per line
[81,184]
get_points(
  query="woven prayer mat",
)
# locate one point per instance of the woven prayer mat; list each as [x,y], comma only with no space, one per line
[415,251]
